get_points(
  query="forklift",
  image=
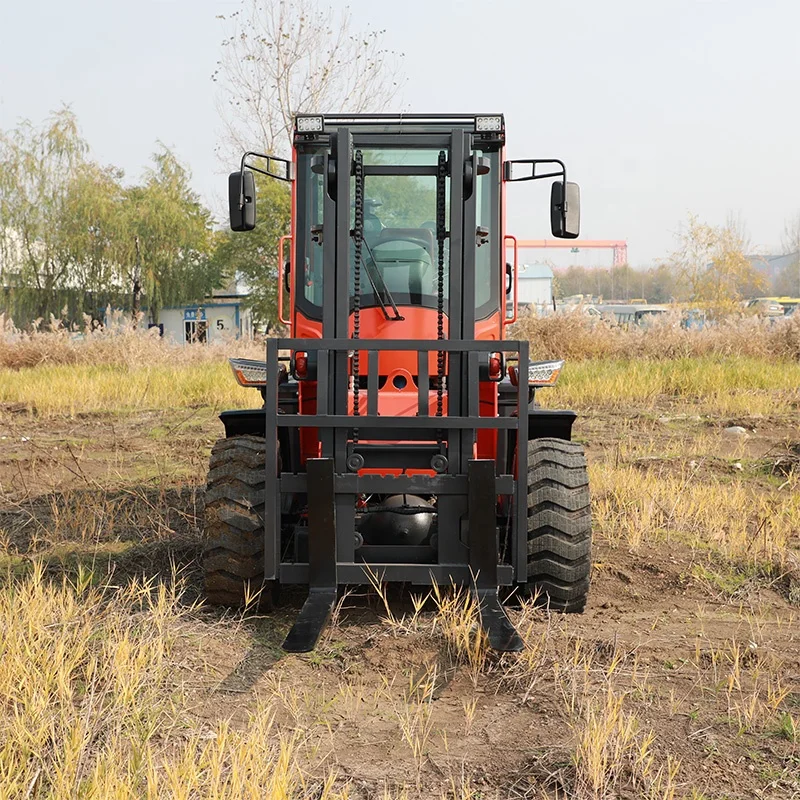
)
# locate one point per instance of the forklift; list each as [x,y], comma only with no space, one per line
[399,435]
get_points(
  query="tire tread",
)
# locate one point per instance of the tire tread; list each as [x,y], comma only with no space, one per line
[559,525]
[233,545]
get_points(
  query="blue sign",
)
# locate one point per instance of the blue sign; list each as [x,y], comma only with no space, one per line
[194,313]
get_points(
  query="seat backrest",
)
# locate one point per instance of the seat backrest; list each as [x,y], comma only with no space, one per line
[419,236]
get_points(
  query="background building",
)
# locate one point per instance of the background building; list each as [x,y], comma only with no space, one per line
[535,285]
[219,317]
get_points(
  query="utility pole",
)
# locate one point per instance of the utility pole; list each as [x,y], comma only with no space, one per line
[613,295]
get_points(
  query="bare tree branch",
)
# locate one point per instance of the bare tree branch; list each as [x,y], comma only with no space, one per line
[284,58]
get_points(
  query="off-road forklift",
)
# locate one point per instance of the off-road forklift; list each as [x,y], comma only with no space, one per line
[399,435]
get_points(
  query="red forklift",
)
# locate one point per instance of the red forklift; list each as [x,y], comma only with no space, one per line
[399,435]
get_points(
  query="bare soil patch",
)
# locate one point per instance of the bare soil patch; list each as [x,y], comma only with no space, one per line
[124,496]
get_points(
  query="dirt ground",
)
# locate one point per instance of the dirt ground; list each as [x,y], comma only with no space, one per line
[392,705]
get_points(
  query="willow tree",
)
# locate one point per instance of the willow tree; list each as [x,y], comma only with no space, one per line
[91,210]
[163,238]
[37,168]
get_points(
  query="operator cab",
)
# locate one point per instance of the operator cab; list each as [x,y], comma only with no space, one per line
[409,211]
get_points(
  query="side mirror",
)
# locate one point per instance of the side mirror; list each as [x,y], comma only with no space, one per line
[565,211]
[242,200]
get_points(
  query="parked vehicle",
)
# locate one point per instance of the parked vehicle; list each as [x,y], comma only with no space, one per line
[766,307]
[632,314]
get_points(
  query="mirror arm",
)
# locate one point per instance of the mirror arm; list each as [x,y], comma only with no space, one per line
[562,173]
[289,177]
[288,166]
[241,183]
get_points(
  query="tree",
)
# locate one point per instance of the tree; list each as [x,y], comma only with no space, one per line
[713,263]
[788,282]
[37,168]
[282,58]
[163,238]
[72,236]
[92,203]
[661,285]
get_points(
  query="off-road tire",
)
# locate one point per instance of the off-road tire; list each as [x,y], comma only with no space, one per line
[233,543]
[559,525]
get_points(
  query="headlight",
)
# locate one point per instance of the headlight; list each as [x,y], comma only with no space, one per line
[309,124]
[544,373]
[249,372]
[492,124]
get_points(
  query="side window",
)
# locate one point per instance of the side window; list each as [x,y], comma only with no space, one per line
[312,272]
[487,277]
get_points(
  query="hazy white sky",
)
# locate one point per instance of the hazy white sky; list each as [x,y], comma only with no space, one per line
[658,108]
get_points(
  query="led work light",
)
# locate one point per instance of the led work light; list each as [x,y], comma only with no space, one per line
[492,124]
[309,124]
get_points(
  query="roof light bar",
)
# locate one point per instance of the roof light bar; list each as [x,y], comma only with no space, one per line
[493,124]
[309,124]
[544,373]
[249,372]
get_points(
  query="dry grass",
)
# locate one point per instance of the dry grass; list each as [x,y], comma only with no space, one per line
[575,337]
[730,385]
[635,507]
[570,336]
[112,388]
[57,371]
[456,620]
[612,752]
[746,366]
[119,344]
[92,709]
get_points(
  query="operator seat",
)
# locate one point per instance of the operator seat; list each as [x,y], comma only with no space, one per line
[404,255]
[372,223]
[420,236]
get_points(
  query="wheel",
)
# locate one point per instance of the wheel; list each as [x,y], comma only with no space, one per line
[559,525]
[233,542]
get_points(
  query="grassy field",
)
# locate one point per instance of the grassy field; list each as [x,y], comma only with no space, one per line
[723,385]
[679,681]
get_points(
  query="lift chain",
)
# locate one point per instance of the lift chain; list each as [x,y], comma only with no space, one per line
[358,240]
[441,235]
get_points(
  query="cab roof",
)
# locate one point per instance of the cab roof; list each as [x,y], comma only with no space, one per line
[308,127]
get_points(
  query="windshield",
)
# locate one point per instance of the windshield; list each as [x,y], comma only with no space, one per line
[401,252]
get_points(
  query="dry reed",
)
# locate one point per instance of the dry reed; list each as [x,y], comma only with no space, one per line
[575,337]
[571,336]
[119,344]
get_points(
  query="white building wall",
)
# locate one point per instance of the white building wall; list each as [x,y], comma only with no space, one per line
[222,321]
[172,320]
[535,291]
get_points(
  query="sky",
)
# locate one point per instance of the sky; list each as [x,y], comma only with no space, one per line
[660,108]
